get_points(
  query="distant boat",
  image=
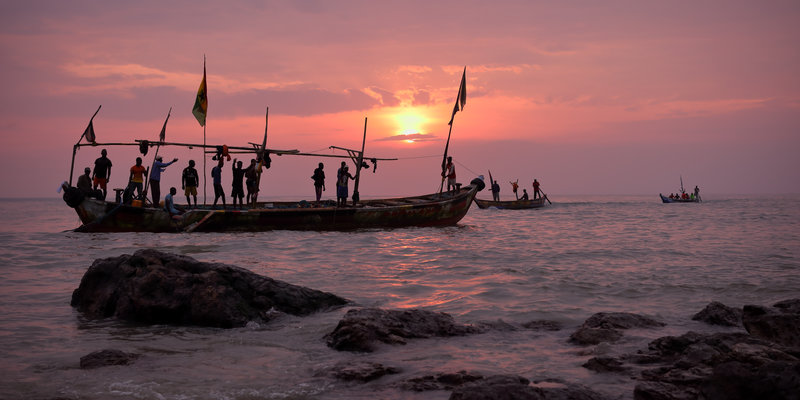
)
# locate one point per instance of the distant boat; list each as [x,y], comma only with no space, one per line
[512,204]
[682,197]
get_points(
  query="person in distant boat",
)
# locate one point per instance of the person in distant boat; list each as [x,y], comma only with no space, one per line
[495,191]
[155,178]
[697,193]
[343,175]
[169,203]
[136,180]
[216,175]
[189,180]
[102,172]
[319,181]
[85,182]
[524,194]
[237,191]
[450,173]
[536,191]
[514,187]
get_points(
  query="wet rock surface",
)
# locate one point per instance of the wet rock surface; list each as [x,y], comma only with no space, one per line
[154,287]
[362,329]
[607,327]
[107,357]
[717,313]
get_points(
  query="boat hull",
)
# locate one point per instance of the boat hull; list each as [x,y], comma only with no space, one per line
[665,199]
[428,210]
[511,204]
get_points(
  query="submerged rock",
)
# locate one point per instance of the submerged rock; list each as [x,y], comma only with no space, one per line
[155,287]
[518,388]
[717,313]
[362,371]
[361,329]
[605,327]
[107,357]
[439,381]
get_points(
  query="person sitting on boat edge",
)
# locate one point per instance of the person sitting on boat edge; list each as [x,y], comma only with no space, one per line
[216,174]
[189,180]
[155,178]
[319,181]
[495,191]
[524,194]
[169,204]
[237,189]
[85,183]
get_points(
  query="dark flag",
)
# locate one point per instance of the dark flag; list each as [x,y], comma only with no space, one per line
[201,102]
[163,134]
[89,132]
[461,99]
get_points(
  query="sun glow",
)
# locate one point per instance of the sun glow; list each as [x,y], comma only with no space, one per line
[410,123]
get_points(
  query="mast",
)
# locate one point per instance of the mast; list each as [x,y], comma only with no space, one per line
[360,161]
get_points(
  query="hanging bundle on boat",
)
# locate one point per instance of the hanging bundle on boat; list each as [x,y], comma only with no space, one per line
[73,196]
[144,145]
[222,151]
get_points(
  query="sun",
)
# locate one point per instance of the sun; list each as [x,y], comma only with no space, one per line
[409,123]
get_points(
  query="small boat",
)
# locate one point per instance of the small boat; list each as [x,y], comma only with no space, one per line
[512,204]
[682,197]
[429,210]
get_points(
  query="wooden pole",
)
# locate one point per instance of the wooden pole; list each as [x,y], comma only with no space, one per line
[360,161]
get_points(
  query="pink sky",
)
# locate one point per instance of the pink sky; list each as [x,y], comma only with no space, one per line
[588,97]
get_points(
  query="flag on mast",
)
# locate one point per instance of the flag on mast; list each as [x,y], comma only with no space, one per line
[461,99]
[89,132]
[163,134]
[201,102]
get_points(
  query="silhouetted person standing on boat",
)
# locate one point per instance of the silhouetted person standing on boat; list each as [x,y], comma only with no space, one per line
[216,175]
[341,185]
[697,193]
[514,187]
[319,181]
[85,182]
[251,180]
[102,172]
[189,181]
[536,191]
[237,189]
[450,174]
[136,180]
[495,191]
[155,178]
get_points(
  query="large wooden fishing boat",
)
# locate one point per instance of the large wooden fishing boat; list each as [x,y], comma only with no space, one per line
[511,204]
[128,215]
[429,210]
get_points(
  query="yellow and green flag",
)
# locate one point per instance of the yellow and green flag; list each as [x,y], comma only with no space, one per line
[201,103]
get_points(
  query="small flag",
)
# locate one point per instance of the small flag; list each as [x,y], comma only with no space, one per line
[163,134]
[461,99]
[201,103]
[89,132]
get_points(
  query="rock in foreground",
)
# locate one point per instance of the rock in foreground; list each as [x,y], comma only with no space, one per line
[154,287]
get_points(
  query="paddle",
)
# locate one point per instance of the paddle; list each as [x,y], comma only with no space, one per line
[545,196]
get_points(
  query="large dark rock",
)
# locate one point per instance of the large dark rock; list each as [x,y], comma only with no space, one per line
[717,313]
[154,287]
[107,357]
[605,327]
[439,381]
[361,329]
[780,324]
[719,366]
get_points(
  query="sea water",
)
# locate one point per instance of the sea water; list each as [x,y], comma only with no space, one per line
[579,256]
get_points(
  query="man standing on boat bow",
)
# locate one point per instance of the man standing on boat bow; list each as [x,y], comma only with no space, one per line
[155,178]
